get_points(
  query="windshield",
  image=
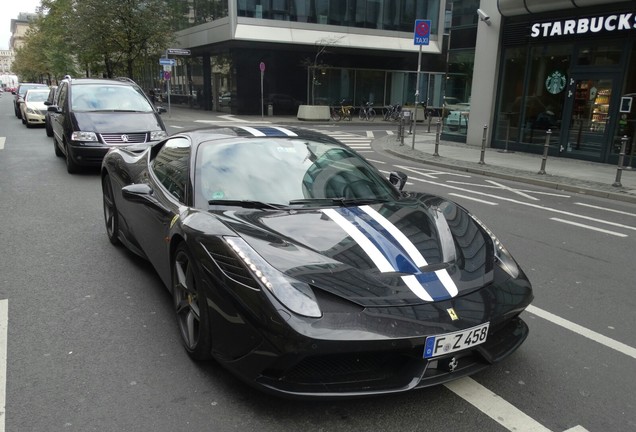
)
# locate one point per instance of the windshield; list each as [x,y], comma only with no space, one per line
[281,171]
[36,96]
[105,97]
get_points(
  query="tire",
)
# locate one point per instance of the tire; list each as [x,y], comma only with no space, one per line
[335,115]
[371,114]
[56,147]
[348,114]
[362,115]
[387,115]
[24,122]
[49,129]
[71,166]
[111,218]
[190,305]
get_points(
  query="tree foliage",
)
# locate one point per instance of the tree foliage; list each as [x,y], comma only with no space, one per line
[98,37]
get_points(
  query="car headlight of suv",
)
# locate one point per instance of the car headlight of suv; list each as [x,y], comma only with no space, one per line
[84,136]
[296,296]
[157,135]
[502,257]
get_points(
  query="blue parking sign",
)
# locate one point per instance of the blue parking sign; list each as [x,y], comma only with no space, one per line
[422,34]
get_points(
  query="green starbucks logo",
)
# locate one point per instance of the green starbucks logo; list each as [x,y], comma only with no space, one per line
[555,83]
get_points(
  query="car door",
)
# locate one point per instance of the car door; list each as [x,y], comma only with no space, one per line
[168,177]
[58,113]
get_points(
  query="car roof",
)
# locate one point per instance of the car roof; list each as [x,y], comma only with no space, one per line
[113,81]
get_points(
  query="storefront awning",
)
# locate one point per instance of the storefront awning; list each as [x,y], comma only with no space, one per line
[525,7]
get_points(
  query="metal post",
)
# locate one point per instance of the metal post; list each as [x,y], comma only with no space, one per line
[546,146]
[483,146]
[437,134]
[621,157]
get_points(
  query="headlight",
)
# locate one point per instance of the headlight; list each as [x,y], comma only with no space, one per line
[32,111]
[503,258]
[83,136]
[296,296]
[158,135]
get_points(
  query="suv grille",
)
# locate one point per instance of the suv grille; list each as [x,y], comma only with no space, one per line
[124,138]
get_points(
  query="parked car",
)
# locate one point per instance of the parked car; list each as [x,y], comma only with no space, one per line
[301,268]
[50,100]
[33,108]
[94,115]
[19,93]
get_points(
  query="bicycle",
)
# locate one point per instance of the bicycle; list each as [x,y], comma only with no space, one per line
[367,112]
[393,112]
[343,112]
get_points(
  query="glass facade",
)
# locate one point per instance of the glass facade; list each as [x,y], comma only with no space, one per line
[397,15]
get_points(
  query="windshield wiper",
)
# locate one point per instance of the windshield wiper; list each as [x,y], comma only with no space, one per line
[246,204]
[336,201]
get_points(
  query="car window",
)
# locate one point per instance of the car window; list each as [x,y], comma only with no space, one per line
[36,96]
[279,171]
[61,98]
[104,97]
[170,165]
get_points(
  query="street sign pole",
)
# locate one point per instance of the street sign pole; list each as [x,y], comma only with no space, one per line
[262,69]
[422,35]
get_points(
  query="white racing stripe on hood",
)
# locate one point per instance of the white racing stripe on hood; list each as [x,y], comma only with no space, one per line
[415,254]
[369,248]
[252,130]
[285,131]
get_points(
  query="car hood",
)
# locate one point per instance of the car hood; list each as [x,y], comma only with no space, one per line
[116,122]
[412,251]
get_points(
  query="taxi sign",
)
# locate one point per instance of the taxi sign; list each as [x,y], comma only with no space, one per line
[422,32]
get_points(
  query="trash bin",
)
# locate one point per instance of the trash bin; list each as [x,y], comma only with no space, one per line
[270,110]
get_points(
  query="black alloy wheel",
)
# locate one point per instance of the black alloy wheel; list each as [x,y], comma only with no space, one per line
[110,211]
[190,305]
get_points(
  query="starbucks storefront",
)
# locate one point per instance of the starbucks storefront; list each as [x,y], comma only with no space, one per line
[562,78]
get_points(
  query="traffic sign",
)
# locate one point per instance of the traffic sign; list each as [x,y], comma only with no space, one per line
[422,34]
[167,61]
[178,51]
[166,76]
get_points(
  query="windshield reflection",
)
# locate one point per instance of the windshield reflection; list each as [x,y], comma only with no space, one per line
[278,171]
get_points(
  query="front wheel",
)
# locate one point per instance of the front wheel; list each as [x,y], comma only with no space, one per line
[111,219]
[190,305]
[371,114]
[335,115]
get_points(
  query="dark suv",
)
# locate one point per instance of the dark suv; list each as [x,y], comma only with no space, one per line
[89,116]
[19,96]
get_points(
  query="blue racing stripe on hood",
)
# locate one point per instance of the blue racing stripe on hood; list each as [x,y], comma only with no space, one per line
[393,251]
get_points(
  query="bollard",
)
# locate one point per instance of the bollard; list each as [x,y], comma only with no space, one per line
[437,134]
[546,146]
[483,146]
[621,157]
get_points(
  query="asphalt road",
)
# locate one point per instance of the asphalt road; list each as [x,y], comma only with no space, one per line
[92,345]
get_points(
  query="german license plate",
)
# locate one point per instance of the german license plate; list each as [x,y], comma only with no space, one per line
[457,341]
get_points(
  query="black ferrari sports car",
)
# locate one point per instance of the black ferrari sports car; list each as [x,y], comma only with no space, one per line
[297,265]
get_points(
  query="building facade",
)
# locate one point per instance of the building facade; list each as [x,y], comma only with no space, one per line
[562,68]
[318,52]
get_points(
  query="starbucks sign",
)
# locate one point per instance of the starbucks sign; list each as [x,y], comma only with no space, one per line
[555,83]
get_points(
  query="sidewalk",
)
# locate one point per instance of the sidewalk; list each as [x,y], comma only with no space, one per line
[564,174]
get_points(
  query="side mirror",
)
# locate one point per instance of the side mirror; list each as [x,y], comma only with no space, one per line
[142,193]
[398,179]
[52,108]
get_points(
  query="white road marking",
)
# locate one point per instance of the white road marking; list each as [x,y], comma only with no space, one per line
[513,190]
[606,209]
[578,329]
[473,199]
[376,161]
[537,206]
[370,134]
[176,127]
[580,225]
[4,324]
[522,190]
[390,132]
[2,139]
[495,407]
